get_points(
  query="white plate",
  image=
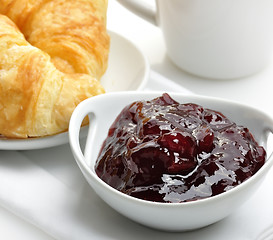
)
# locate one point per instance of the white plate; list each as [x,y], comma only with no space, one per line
[128,70]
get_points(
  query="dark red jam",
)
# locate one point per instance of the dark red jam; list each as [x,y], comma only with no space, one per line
[163,151]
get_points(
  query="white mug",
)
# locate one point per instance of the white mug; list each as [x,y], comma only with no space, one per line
[220,39]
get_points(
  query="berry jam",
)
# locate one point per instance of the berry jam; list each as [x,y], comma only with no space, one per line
[163,151]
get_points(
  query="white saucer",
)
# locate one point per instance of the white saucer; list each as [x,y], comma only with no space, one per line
[128,70]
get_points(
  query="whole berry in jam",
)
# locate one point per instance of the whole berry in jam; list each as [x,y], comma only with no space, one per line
[164,151]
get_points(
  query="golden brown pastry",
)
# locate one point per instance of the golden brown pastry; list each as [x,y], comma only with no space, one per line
[72,32]
[51,55]
[36,99]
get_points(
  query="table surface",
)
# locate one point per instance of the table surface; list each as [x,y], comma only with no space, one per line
[254,90]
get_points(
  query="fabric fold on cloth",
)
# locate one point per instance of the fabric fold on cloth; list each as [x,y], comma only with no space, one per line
[46,188]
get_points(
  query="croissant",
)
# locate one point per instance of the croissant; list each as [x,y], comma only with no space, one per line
[48,70]
[72,32]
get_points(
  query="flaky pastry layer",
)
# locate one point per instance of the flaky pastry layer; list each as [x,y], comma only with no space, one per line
[49,62]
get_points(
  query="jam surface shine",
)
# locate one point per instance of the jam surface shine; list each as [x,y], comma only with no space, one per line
[164,151]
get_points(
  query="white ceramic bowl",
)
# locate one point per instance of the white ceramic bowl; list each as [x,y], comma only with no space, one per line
[103,110]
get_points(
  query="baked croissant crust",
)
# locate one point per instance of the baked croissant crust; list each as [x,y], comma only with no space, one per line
[72,32]
[43,79]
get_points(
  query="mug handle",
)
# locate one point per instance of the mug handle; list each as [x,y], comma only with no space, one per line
[140,8]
